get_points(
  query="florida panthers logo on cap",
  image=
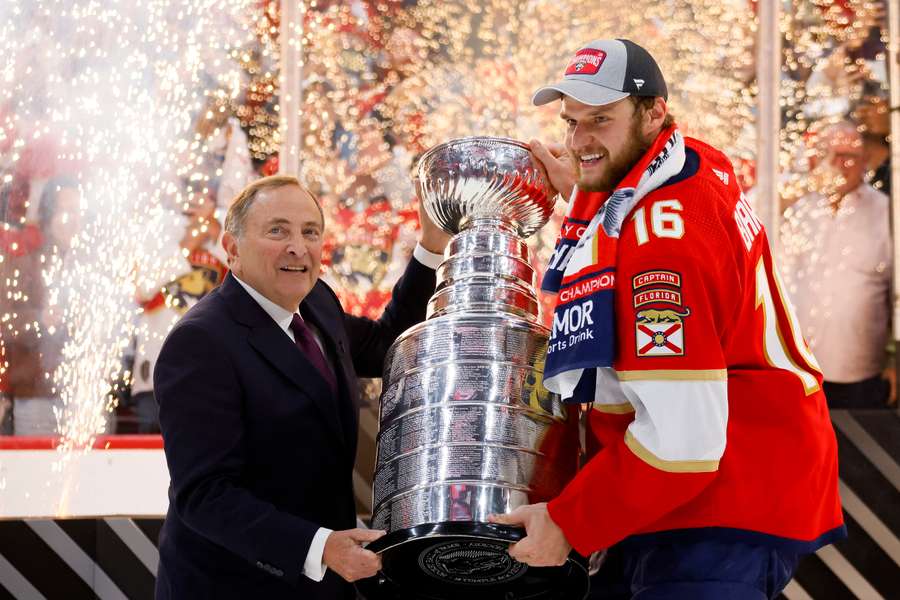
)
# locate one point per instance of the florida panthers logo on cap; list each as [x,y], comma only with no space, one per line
[587,61]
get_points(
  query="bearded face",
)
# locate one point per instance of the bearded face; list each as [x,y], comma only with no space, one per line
[605,142]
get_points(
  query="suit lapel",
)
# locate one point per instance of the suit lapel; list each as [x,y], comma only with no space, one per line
[276,348]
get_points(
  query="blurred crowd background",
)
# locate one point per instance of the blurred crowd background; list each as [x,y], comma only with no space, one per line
[124,134]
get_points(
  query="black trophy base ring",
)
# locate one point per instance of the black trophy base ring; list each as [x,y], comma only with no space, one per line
[468,560]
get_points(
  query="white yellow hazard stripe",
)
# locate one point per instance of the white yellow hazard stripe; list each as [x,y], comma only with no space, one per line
[680,418]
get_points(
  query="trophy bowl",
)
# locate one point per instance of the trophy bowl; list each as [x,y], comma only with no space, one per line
[466,427]
[484,177]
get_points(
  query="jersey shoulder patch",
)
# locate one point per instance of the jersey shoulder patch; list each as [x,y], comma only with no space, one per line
[659,313]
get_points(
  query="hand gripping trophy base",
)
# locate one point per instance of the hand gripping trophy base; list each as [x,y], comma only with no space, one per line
[468,561]
[466,427]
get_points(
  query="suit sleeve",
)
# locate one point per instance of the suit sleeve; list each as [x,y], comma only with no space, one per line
[201,414]
[370,340]
[675,298]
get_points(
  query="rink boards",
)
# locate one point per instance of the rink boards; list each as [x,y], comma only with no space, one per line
[102,550]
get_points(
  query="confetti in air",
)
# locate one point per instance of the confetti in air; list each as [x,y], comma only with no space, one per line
[121,109]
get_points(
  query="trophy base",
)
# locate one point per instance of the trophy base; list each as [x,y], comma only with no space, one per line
[448,561]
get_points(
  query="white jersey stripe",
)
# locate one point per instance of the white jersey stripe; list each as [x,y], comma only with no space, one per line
[678,423]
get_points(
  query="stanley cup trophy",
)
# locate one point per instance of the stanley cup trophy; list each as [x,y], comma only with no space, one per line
[466,426]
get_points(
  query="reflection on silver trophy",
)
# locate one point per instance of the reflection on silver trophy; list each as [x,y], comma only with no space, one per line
[466,427]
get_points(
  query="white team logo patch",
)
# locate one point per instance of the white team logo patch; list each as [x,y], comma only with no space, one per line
[639,83]
[722,175]
[660,339]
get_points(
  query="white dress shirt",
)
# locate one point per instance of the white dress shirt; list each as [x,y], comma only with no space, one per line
[429,259]
[837,268]
[313,566]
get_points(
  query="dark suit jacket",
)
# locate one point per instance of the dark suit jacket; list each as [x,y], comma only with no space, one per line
[260,452]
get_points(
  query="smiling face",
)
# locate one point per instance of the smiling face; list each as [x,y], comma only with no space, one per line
[278,252]
[606,141]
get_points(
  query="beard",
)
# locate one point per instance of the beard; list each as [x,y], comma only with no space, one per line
[618,166]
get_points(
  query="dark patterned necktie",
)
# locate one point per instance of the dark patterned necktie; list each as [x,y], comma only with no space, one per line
[303,338]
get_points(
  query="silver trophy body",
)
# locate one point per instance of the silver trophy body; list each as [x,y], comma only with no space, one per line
[466,427]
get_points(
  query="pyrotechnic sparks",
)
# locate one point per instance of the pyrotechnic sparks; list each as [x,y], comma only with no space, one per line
[105,93]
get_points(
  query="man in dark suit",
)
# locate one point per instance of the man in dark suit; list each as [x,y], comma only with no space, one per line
[258,394]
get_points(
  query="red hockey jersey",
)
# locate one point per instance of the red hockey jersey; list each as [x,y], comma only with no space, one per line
[715,424]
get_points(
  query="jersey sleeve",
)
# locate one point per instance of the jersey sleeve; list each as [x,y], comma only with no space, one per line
[676,294]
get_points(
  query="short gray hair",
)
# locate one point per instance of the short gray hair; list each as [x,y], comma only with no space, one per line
[239,208]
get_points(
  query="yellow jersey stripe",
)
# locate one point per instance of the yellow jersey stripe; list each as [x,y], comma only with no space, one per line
[670,466]
[615,409]
[676,375]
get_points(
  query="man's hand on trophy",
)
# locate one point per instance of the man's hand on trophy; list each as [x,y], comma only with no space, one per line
[345,555]
[433,238]
[544,544]
[558,167]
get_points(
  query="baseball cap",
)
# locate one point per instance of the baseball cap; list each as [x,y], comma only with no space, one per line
[605,71]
